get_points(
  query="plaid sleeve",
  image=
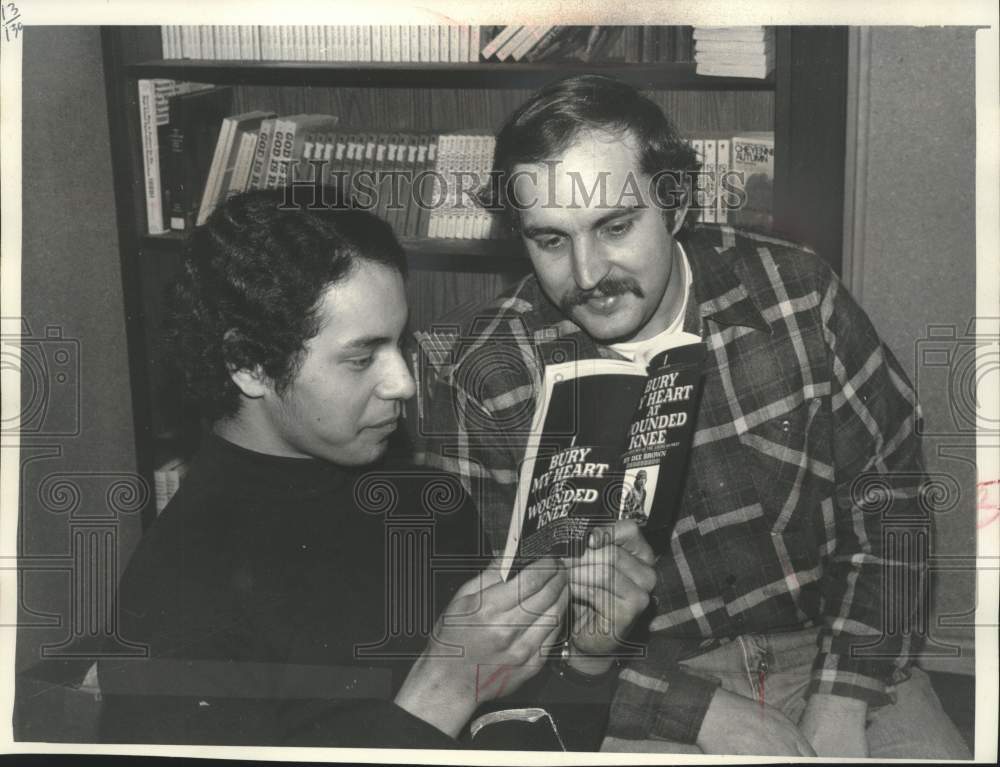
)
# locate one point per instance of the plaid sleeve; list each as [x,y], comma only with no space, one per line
[875,576]
[476,413]
[661,702]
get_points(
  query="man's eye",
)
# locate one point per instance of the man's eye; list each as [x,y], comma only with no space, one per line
[360,363]
[618,229]
[549,243]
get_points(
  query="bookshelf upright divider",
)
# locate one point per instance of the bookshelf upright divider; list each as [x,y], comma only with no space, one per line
[802,102]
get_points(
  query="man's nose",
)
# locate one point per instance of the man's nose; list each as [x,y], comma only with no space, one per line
[397,383]
[589,265]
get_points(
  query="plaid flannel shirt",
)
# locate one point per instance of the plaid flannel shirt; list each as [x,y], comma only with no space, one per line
[805,458]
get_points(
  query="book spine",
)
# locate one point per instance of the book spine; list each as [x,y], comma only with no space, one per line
[178,191]
[475,38]
[190,42]
[500,39]
[433,34]
[698,145]
[244,163]
[404,44]
[284,131]
[213,184]
[366,42]
[414,43]
[264,139]
[722,164]
[150,157]
[425,43]
[710,169]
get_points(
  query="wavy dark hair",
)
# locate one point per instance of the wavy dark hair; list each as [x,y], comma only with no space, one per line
[548,123]
[252,279]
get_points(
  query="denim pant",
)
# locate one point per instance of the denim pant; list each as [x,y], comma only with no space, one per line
[914,727]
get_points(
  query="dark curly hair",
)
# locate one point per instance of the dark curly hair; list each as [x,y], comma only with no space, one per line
[548,123]
[252,279]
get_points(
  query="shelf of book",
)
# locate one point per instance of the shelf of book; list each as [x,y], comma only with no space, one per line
[421,253]
[484,75]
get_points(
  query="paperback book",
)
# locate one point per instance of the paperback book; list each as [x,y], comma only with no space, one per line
[610,440]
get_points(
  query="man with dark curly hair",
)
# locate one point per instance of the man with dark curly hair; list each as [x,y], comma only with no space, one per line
[286,595]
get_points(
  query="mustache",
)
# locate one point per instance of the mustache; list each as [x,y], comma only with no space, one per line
[609,286]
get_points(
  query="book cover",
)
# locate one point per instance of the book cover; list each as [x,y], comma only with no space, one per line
[753,157]
[195,121]
[610,440]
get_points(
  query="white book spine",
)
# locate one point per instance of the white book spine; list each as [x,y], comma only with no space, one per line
[434,36]
[722,165]
[394,43]
[190,42]
[414,43]
[454,42]
[377,53]
[244,162]
[710,181]
[151,157]
[500,39]
[404,44]
[425,42]
[366,43]
[463,42]
[515,42]
[699,195]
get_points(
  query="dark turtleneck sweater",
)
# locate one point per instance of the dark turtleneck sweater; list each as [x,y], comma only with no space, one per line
[265,595]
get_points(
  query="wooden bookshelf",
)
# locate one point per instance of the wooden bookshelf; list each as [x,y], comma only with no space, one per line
[448,254]
[674,76]
[803,102]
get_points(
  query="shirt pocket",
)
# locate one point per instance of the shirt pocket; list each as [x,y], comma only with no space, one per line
[783,457]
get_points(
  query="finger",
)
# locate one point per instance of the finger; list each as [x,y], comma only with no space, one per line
[534,579]
[488,576]
[628,535]
[543,633]
[518,602]
[608,567]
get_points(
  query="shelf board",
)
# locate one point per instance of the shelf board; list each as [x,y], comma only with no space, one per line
[422,253]
[670,76]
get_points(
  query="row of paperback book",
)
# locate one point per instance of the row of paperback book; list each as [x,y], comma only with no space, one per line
[738,181]
[427,43]
[734,51]
[196,153]
[360,43]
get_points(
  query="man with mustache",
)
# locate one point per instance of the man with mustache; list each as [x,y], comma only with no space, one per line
[275,602]
[769,631]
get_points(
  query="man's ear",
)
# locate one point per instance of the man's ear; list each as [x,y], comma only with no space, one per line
[251,381]
[682,210]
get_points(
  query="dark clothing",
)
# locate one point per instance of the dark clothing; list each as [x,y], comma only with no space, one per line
[281,607]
